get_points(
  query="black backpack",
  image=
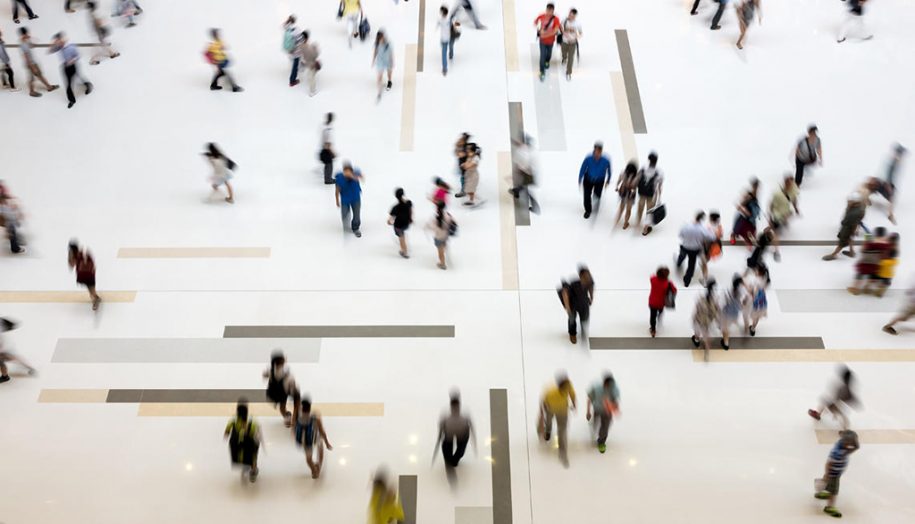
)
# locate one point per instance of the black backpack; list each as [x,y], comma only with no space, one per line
[646,184]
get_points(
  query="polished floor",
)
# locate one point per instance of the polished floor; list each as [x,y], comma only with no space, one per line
[124,421]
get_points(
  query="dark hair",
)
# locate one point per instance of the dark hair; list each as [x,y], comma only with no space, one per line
[455,401]
[736,282]
[291,19]
[91,6]
[378,37]
[714,216]
[846,374]
[241,410]
[441,183]
[812,129]
[582,269]
[443,10]
[662,272]
[562,379]
[73,246]
[306,405]
[880,231]
[652,158]
[329,118]
[631,169]
[710,289]
[214,33]
[277,357]
[700,215]
[23,31]
[608,378]
[550,6]
[398,194]
[305,36]
[574,11]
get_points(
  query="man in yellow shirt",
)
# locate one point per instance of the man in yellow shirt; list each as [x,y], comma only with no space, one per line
[555,404]
[216,55]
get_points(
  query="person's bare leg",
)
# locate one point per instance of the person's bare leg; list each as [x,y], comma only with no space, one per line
[231,197]
[403,244]
[743,32]
[311,463]
[441,256]
[4,371]
[96,300]
[628,214]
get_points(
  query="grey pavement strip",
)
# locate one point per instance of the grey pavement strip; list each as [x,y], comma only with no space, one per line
[501,458]
[638,343]
[420,40]
[551,131]
[632,85]
[404,331]
[472,515]
[183,350]
[516,129]
[407,488]
[200,396]
[837,301]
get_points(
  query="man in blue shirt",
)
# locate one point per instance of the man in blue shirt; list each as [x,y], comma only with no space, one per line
[593,176]
[349,196]
[835,466]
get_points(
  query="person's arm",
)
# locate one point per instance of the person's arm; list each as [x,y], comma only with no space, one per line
[438,439]
[608,174]
[591,294]
[572,397]
[391,219]
[228,430]
[473,436]
[565,299]
[583,171]
[319,421]
[588,414]
[337,194]
[820,153]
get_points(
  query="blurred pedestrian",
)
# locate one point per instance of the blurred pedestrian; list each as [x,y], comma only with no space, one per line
[383,59]
[854,23]
[25,45]
[593,176]
[244,436]
[555,404]
[626,188]
[129,10]
[571,34]
[828,486]
[693,239]
[716,20]
[908,311]
[348,195]
[69,58]
[290,46]
[757,281]
[446,28]
[216,56]
[762,243]
[809,151]
[280,386]
[442,227]
[384,505]
[548,27]
[650,183]
[745,13]
[308,52]
[401,216]
[467,6]
[460,153]
[102,33]
[7,354]
[5,68]
[455,430]
[524,172]
[713,249]
[748,210]
[705,315]
[11,221]
[310,434]
[223,167]
[734,306]
[603,401]
[576,297]
[326,152]
[662,294]
[840,396]
[851,221]
[351,10]
[471,174]
[81,260]
[781,208]
[892,168]
[26,6]
[440,192]
[874,249]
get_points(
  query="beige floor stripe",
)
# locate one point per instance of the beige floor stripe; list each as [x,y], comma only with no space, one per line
[45,297]
[76,396]
[624,118]
[870,436]
[408,111]
[509,29]
[808,355]
[194,252]
[178,409]
[507,223]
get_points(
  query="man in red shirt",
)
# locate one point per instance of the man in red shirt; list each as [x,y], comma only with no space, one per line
[548,26]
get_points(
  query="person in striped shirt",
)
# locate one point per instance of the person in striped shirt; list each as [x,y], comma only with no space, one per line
[835,466]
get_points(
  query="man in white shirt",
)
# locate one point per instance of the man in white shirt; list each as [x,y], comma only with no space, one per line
[326,153]
[693,240]
[571,32]
[446,37]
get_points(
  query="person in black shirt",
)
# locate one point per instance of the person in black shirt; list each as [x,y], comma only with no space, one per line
[401,216]
[576,297]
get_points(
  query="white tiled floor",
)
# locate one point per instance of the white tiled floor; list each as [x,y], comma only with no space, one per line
[711,444]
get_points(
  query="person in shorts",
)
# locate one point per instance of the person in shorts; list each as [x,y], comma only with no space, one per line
[828,486]
[908,311]
[81,260]
[309,432]
[281,385]
[851,221]
[401,216]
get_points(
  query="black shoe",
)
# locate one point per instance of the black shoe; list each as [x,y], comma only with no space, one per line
[694,12]
[390,84]
[695,340]
[70,104]
[587,214]
[358,233]
[724,346]
[237,89]
[88,87]
[752,331]
[716,27]
[4,378]
[546,436]
[33,17]
[215,88]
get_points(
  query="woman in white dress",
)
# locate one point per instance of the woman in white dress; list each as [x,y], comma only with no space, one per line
[222,170]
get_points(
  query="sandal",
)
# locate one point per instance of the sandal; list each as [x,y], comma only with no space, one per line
[695,340]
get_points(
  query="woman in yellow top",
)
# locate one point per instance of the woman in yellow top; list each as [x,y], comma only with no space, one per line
[216,55]
[384,506]
[555,404]
[352,12]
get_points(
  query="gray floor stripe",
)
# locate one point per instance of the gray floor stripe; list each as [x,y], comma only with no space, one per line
[185,350]
[501,458]
[837,301]
[407,488]
[339,332]
[551,132]
[638,343]
[185,395]
[420,40]
[632,85]
[516,129]
[472,515]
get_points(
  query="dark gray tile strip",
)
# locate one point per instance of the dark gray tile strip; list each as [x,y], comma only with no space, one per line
[632,85]
[516,129]
[182,350]
[551,131]
[202,396]
[119,396]
[405,331]
[407,488]
[421,39]
[501,458]
[638,343]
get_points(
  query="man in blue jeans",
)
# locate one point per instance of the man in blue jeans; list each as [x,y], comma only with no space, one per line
[446,37]
[349,197]
[593,176]
[548,26]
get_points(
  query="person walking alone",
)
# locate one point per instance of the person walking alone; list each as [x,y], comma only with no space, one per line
[693,240]
[26,6]
[854,22]
[593,176]
[626,187]
[309,432]
[455,431]
[222,170]
[326,152]
[716,20]
[351,10]
[383,59]
[307,52]
[809,151]
[745,13]
[348,195]
[401,216]
[841,395]
[548,27]
[661,295]
[603,401]
[908,311]
[555,404]
[571,34]
[216,55]
[576,297]
[851,221]
[80,259]
[705,315]
[290,45]
[244,437]
[25,45]
[102,32]
[446,27]
[69,58]
[5,68]
[835,466]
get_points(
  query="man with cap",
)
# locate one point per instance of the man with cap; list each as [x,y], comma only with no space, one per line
[828,486]
[593,176]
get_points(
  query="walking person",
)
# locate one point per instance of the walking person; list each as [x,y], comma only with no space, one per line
[841,395]
[25,45]
[705,315]
[781,208]
[908,311]
[471,174]
[80,259]
[467,6]
[748,210]
[888,189]
[662,294]
[384,504]
[713,250]
[851,221]
[446,27]
[223,167]
[348,194]
[524,171]
[216,56]
[326,152]
[102,32]
[548,27]
[593,176]
[693,239]
[455,431]
[290,46]
[603,402]
[828,486]
[128,9]
[26,6]
[244,436]
[7,354]
[401,216]
[571,34]
[460,153]
[757,282]
[626,188]
[310,434]
[745,13]
[11,221]
[442,227]
[854,22]
[69,58]
[5,67]
[351,10]
[555,404]
[809,151]
[307,53]
[650,183]
[716,20]
[576,297]
[280,386]
[734,307]
[383,59]
[440,192]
